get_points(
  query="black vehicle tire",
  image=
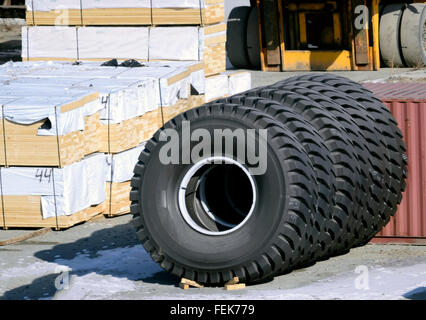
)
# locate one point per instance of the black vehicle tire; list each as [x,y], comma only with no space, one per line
[325,225]
[387,127]
[342,154]
[370,150]
[236,35]
[389,35]
[253,42]
[272,238]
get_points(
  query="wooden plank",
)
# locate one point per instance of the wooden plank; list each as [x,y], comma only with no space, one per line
[211,14]
[25,148]
[234,280]
[238,286]
[25,212]
[191,283]
[130,133]
[183,286]
[117,199]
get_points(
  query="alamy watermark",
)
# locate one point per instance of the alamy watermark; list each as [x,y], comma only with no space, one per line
[247,146]
[362,282]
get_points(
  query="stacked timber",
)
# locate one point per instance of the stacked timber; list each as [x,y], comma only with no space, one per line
[53,197]
[99,78]
[128,12]
[111,111]
[190,43]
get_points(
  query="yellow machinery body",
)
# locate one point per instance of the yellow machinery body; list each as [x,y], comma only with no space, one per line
[319,35]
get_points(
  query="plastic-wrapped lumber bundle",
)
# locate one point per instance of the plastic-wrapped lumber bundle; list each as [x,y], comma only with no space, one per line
[227,83]
[53,197]
[134,101]
[127,12]
[206,44]
[119,174]
[47,127]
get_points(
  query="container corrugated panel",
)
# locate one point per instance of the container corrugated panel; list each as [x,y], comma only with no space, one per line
[407,102]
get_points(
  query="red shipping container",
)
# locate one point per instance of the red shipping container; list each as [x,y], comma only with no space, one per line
[407,101]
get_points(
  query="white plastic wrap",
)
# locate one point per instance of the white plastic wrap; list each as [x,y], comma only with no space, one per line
[197,78]
[28,110]
[46,42]
[108,4]
[170,93]
[131,91]
[113,42]
[216,87]
[121,165]
[145,43]
[124,98]
[239,82]
[77,187]
[178,4]
[174,43]
[47,5]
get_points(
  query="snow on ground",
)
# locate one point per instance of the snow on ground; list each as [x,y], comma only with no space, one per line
[84,277]
[383,284]
[116,272]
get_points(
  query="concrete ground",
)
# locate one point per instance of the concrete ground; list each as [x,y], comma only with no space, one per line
[260,78]
[104,260]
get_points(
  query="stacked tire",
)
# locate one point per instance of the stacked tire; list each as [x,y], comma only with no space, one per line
[334,169]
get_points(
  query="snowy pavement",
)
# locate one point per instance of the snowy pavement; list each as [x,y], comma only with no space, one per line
[103,260]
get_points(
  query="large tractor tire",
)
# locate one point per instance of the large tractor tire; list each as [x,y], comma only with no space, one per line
[318,152]
[386,126]
[236,35]
[413,35]
[370,151]
[389,35]
[179,209]
[253,41]
[347,183]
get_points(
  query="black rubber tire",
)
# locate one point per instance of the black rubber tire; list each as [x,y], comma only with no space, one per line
[389,35]
[413,35]
[387,127]
[342,154]
[236,37]
[318,152]
[370,151]
[253,41]
[273,239]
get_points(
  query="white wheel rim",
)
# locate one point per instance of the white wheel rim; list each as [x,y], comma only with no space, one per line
[182,199]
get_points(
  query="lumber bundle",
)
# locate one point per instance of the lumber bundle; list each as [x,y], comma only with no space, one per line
[53,197]
[129,12]
[227,84]
[205,44]
[39,130]
[59,116]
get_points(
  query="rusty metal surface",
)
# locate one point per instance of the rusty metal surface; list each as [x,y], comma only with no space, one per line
[407,102]
[398,91]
